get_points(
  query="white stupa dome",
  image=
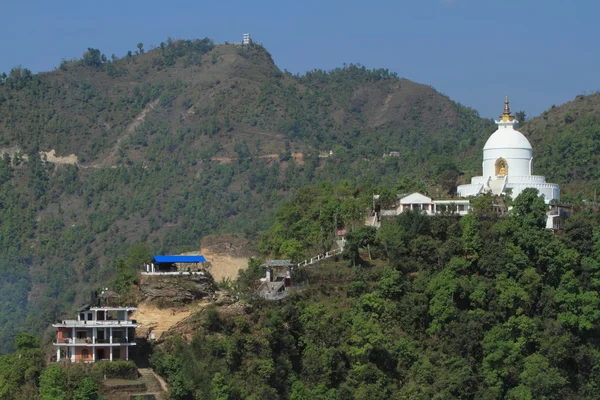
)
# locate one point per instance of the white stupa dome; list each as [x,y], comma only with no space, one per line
[508,164]
[506,137]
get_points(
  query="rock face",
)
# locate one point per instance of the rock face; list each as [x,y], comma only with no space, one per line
[177,289]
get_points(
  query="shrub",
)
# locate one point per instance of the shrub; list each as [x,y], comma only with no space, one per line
[116,370]
[568,118]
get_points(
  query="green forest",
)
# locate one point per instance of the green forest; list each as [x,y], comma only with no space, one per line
[477,307]
[149,133]
[157,149]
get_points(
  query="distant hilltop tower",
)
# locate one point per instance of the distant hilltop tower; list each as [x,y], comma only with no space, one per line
[246,39]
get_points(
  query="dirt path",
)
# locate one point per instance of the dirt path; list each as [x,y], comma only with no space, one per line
[111,158]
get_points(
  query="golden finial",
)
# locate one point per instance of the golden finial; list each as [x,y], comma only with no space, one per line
[506,117]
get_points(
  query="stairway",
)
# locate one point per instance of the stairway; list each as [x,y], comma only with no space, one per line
[497,185]
[320,257]
[372,221]
[153,386]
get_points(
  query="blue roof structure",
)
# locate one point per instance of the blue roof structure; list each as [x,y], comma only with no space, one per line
[179,259]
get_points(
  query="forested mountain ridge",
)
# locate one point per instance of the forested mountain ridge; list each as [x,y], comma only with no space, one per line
[87,107]
[164,147]
[566,145]
[190,139]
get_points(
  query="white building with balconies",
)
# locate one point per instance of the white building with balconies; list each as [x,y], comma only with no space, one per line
[98,333]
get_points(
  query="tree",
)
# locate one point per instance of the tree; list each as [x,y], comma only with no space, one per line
[568,118]
[471,239]
[140,47]
[291,249]
[540,379]
[92,58]
[86,390]
[26,341]
[53,383]
[126,276]
[529,209]
[363,237]
[520,116]
[578,309]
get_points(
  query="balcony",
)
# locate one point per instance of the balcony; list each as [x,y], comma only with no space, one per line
[76,323]
[89,341]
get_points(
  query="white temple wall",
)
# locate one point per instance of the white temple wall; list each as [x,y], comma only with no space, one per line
[550,191]
[518,161]
[468,190]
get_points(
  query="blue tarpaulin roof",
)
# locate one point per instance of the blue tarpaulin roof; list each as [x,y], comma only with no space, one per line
[179,259]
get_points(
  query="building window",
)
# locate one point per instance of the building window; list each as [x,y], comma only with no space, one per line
[85,354]
[118,336]
[116,353]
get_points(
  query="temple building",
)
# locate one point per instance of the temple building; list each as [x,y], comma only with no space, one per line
[508,164]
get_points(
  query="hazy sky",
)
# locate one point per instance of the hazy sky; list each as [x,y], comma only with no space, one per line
[538,52]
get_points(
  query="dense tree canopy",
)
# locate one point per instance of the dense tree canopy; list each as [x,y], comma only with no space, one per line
[447,308]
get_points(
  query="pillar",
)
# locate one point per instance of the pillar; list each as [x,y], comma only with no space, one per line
[111,353]
[94,335]
[57,354]
[72,349]
[126,353]
[110,336]
[93,354]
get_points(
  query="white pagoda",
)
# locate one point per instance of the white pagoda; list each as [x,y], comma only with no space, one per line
[508,164]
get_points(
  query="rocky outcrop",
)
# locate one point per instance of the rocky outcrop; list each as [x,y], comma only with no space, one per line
[175,290]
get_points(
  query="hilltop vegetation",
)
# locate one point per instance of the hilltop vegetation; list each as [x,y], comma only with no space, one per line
[566,142]
[166,146]
[478,307]
[108,160]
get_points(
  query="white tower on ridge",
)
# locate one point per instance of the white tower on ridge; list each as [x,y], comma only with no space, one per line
[508,164]
[246,39]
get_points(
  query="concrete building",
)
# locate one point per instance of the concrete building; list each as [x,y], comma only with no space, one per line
[101,331]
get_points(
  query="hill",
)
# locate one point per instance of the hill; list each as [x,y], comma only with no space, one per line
[566,143]
[109,158]
[434,307]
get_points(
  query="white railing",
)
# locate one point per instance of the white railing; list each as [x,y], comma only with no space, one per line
[90,340]
[320,257]
[74,322]
[176,273]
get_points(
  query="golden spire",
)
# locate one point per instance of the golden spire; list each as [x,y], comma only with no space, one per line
[506,117]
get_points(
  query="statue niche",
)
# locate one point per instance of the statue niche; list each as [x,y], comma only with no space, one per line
[501,167]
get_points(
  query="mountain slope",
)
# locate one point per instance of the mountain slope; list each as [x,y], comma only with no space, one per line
[163,148]
[566,143]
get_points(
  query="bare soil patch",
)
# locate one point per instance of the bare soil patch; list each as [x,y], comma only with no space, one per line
[53,158]
[157,320]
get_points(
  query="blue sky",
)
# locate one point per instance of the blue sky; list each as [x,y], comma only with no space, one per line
[537,52]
